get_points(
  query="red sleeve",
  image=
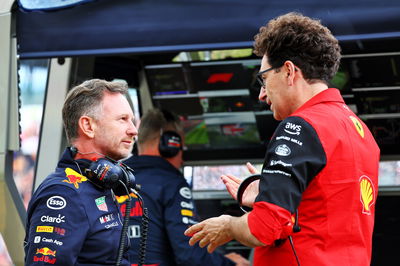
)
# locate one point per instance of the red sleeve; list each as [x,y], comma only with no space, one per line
[269,222]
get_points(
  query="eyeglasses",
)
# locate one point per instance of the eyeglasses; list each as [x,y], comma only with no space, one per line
[259,78]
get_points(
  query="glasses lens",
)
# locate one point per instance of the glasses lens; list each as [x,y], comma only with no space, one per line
[260,81]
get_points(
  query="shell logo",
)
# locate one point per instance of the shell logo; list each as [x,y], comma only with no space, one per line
[367,194]
[358,126]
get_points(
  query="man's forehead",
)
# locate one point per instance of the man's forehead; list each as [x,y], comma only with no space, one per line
[264,63]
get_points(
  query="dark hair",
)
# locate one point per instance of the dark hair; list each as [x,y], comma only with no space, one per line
[155,121]
[86,99]
[302,40]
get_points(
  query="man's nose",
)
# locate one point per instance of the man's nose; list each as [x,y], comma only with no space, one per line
[132,130]
[262,95]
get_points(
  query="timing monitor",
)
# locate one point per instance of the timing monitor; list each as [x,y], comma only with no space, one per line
[218,105]
[373,71]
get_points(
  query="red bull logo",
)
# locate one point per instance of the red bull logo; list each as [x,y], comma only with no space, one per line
[45,259]
[46,251]
[74,178]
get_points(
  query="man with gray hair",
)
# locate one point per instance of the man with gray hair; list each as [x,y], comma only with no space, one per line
[73,218]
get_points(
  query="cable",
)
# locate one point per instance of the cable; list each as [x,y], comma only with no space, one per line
[144,230]
[294,250]
[124,226]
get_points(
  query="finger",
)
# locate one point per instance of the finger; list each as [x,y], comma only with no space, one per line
[193,229]
[211,247]
[251,168]
[195,238]
[204,242]
[230,185]
[232,190]
[232,179]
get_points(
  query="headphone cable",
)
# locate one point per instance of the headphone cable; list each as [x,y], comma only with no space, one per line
[124,226]
[144,230]
[294,250]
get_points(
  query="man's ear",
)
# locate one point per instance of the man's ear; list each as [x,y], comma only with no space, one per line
[87,125]
[290,69]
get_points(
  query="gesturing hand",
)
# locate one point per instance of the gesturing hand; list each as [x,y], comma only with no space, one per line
[232,184]
[212,232]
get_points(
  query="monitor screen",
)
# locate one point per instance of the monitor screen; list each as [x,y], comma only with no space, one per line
[378,101]
[219,108]
[374,71]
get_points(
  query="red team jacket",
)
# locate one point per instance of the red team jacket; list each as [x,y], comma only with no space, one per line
[322,161]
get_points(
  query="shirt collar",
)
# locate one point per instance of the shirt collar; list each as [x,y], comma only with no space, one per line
[328,95]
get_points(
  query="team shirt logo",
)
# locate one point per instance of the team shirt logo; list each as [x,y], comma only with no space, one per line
[134,231]
[44,229]
[185,192]
[101,204]
[46,251]
[185,212]
[106,218]
[367,194]
[292,129]
[283,150]
[56,203]
[358,126]
[49,219]
[74,178]
[123,198]
[187,205]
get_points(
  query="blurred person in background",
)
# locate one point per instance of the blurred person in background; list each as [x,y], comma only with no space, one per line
[167,196]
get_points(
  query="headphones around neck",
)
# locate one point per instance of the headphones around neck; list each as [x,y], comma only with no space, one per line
[110,174]
[170,144]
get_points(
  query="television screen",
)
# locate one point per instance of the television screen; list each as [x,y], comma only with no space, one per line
[166,80]
[377,71]
[378,101]
[218,105]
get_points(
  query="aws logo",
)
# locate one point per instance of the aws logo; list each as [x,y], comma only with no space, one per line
[367,194]
[292,129]
[358,126]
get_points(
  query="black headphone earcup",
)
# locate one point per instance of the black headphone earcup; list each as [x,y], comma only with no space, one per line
[105,173]
[170,144]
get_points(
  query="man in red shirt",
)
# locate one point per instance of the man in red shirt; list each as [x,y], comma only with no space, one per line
[321,166]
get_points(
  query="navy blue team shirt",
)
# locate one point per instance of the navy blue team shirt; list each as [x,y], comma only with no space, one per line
[171,209]
[71,221]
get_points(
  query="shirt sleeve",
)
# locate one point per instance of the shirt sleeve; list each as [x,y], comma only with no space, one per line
[294,157]
[57,226]
[179,215]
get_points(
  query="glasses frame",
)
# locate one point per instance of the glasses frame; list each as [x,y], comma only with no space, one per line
[259,78]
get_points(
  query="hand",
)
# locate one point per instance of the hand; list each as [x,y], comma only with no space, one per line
[238,259]
[213,232]
[232,185]
[251,168]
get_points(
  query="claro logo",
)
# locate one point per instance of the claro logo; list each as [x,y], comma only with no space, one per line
[56,203]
